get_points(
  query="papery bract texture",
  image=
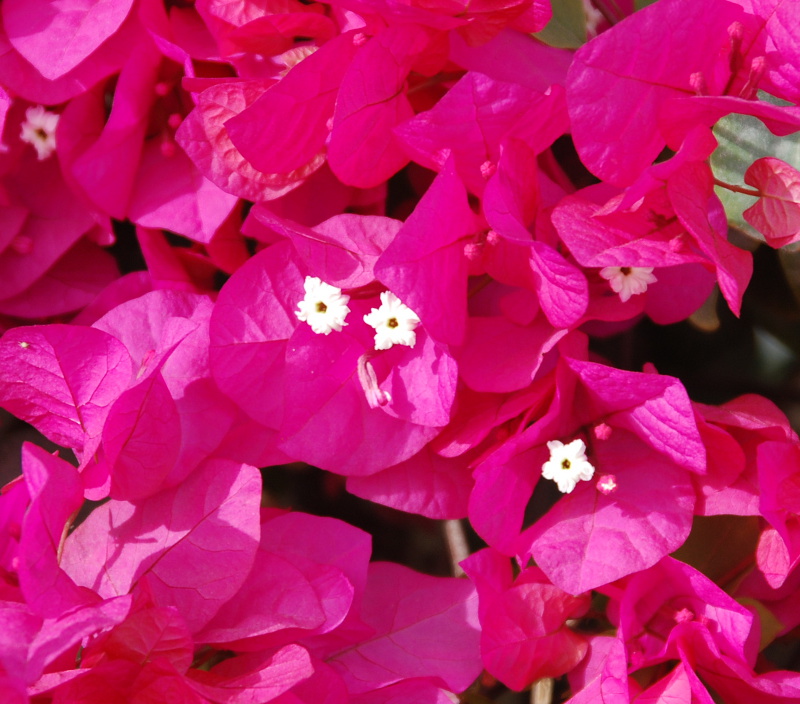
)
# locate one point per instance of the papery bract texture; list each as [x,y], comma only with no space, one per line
[603,675]
[62,379]
[425,265]
[616,67]
[423,627]
[308,573]
[425,484]
[252,320]
[186,416]
[589,538]
[100,153]
[55,222]
[196,561]
[56,495]
[779,34]
[779,484]
[777,214]
[326,399]
[60,38]
[482,369]
[363,151]
[151,632]
[20,76]
[411,691]
[172,194]
[254,678]
[142,439]
[72,283]
[64,634]
[659,602]
[699,210]
[286,128]
[525,637]
[342,250]
[471,121]
[203,137]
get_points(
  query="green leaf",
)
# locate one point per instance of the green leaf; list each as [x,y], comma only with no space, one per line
[567,28]
[639,4]
[770,625]
[743,139]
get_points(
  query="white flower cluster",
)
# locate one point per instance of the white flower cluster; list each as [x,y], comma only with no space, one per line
[324,308]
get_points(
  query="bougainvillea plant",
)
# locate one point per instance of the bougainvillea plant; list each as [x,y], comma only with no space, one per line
[398,254]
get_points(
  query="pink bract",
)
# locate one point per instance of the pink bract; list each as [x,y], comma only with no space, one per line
[425,265]
[777,213]
[209,552]
[616,145]
[61,37]
[432,631]
[63,380]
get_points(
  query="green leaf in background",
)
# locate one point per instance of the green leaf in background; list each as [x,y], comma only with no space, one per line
[770,625]
[567,28]
[743,139]
[639,4]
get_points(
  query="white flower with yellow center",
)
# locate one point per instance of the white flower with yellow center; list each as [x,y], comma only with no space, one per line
[39,130]
[628,281]
[324,307]
[567,464]
[394,323]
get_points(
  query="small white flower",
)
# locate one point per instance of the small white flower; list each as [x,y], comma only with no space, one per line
[324,307]
[628,281]
[394,323]
[567,464]
[39,130]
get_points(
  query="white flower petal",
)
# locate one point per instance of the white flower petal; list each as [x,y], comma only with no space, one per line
[567,465]
[39,130]
[324,307]
[628,281]
[394,323]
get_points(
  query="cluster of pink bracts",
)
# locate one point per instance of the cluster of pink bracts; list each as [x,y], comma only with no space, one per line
[416,317]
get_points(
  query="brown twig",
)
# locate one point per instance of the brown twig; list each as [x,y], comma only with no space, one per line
[456,545]
[542,691]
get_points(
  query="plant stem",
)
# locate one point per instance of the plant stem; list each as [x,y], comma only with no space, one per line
[613,16]
[542,691]
[739,189]
[456,545]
